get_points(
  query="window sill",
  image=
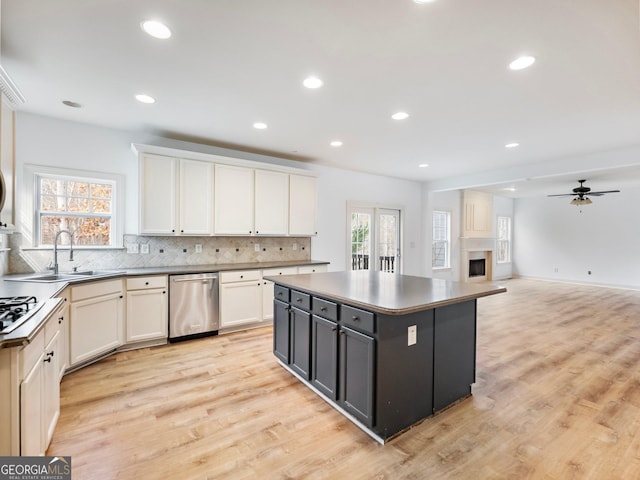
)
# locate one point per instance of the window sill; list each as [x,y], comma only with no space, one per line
[441,269]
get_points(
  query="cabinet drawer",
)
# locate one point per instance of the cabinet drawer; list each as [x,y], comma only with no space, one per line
[140,283]
[312,269]
[96,289]
[281,293]
[274,272]
[239,276]
[324,308]
[53,324]
[31,352]
[358,319]
[300,300]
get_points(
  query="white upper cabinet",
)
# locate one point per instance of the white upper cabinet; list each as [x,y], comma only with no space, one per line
[234,204]
[303,205]
[196,183]
[175,196]
[157,194]
[271,203]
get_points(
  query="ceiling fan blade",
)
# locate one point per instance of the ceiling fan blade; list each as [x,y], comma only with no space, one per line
[563,195]
[603,192]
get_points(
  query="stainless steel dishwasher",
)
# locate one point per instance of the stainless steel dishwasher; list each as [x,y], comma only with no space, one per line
[193,306]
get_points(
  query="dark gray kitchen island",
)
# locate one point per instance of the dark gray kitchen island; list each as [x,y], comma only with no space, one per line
[386,350]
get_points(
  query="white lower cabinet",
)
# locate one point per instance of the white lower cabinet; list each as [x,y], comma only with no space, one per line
[97,314]
[267,289]
[147,309]
[40,362]
[240,298]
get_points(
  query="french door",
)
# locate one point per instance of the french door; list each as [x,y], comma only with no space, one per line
[374,239]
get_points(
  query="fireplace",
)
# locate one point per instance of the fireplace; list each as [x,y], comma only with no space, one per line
[477,267]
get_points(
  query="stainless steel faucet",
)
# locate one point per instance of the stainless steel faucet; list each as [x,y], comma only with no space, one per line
[55,249]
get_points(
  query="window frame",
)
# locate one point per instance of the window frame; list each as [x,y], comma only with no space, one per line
[31,215]
[507,241]
[447,241]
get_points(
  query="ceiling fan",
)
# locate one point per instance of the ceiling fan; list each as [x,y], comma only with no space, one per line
[581,194]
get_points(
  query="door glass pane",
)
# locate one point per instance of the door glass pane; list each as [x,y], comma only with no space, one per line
[360,240]
[388,226]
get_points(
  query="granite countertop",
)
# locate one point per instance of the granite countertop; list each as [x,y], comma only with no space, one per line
[387,293]
[44,291]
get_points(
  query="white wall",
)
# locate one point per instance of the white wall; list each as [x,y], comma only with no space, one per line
[47,141]
[551,234]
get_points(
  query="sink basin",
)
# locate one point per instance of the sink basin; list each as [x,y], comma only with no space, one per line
[63,277]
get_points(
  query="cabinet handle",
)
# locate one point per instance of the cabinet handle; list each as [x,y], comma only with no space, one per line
[146,283]
[173,230]
[181,231]
[164,291]
[323,309]
[48,359]
[256,231]
[120,296]
[355,319]
[60,319]
[299,300]
[241,276]
[279,294]
[341,332]
[333,329]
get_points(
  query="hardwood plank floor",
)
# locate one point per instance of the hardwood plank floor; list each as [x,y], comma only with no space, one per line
[557,397]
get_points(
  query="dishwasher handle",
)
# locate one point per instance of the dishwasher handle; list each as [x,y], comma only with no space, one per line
[198,279]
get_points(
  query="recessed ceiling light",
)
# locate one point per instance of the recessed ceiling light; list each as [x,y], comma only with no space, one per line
[312,82]
[156,29]
[512,145]
[69,103]
[141,97]
[423,165]
[522,62]
[510,189]
[400,115]
[336,143]
[423,1]
[260,125]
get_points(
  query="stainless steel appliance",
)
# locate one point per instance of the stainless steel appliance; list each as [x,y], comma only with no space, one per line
[14,311]
[193,306]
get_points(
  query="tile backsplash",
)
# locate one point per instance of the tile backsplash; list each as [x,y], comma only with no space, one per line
[162,251]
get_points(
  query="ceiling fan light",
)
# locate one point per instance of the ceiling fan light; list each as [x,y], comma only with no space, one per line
[581,201]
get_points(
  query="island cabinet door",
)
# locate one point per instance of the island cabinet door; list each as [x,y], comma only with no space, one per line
[281,330]
[300,342]
[324,356]
[454,353]
[356,373]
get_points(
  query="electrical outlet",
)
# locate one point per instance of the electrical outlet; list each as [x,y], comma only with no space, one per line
[412,335]
[256,247]
[133,248]
[295,246]
[144,248]
[198,248]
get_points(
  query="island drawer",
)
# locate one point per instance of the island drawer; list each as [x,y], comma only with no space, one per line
[300,300]
[324,308]
[281,293]
[358,319]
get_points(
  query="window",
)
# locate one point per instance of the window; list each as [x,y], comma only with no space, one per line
[374,239]
[88,204]
[440,248]
[504,240]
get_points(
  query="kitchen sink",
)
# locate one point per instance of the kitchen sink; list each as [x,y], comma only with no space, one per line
[63,277]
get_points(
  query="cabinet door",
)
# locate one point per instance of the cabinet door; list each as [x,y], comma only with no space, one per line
[157,194]
[51,387]
[302,205]
[357,374]
[147,314]
[32,441]
[271,203]
[454,353]
[300,342]
[233,194]
[240,303]
[281,330]
[96,327]
[196,200]
[267,300]
[324,356]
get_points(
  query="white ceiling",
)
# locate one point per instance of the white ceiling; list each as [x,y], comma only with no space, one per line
[231,63]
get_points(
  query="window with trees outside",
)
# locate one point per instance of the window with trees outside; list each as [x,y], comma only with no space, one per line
[83,206]
[504,240]
[440,248]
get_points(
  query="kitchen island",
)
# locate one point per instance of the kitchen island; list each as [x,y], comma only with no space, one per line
[385,350]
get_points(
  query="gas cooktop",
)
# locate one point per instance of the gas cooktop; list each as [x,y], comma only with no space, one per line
[14,311]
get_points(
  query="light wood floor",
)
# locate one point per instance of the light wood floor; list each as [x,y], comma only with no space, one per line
[557,397]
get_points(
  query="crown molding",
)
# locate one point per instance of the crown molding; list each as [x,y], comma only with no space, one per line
[10,89]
